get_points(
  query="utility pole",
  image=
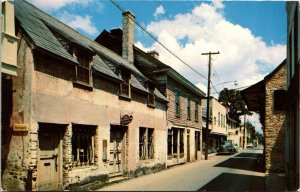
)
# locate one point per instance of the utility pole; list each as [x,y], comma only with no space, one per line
[207,103]
[244,143]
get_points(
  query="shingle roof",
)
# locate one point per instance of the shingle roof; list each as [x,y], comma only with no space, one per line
[36,24]
[100,66]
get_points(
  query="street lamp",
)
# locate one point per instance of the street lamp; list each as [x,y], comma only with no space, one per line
[235,83]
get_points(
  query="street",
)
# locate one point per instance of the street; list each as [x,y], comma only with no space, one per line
[238,172]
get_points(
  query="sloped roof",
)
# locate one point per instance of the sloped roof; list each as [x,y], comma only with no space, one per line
[254,96]
[155,65]
[37,24]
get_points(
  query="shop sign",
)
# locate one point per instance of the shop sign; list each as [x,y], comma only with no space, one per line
[21,127]
[126,119]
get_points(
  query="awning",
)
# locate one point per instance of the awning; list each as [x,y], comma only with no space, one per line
[254,96]
[217,133]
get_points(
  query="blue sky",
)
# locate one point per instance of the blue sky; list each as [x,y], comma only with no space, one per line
[250,35]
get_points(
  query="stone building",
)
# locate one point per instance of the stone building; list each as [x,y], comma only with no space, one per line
[184,98]
[80,113]
[266,98]
[292,162]
[218,131]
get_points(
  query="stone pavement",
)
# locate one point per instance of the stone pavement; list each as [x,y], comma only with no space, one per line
[240,172]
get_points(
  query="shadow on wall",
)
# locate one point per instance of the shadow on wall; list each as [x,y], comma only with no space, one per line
[277,150]
[6,112]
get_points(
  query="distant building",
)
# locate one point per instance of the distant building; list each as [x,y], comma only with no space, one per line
[218,131]
[266,98]
[292,108]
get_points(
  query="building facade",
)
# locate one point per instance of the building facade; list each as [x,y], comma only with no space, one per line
[234,131]
[183,118]
[80,113]
[218,132]
[266,97]
[292,102]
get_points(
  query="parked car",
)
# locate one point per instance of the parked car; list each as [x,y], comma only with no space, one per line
[249,145]
[236,147]
[226,148]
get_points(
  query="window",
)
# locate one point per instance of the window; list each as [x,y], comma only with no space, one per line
[170,143]
[83,70]
[188,107]
[151,95]
[175,143]
[177,102]
[125,85]
[146,148]
[197,140]
[278,99]
[215,120]
[219,119]
[196,111]
[83,145]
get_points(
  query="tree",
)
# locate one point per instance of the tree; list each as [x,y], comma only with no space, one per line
[233,101]
[251,130]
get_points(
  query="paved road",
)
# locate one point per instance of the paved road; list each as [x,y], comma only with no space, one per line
[239,172]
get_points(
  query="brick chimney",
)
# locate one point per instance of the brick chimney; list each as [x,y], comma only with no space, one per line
[128,36]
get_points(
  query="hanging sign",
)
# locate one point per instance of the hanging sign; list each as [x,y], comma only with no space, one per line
[126,119]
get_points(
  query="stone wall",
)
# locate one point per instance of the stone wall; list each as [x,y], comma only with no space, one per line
[20,146]
[274,124]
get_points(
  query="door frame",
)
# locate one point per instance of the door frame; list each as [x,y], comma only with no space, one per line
[124,130]
[59,131]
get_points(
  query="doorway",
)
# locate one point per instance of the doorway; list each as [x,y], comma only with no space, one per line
[117,146]
[49,167]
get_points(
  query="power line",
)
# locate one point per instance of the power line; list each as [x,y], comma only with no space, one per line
[155,39]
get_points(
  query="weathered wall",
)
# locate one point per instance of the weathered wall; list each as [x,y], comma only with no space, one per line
[45,93]
[17,147]
[274,124]
[216,109]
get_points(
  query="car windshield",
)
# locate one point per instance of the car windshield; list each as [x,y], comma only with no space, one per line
[226,143]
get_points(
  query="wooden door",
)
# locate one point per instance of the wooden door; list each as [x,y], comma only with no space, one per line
[116,155]
[49,162]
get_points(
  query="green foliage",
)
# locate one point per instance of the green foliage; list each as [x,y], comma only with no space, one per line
[233,101]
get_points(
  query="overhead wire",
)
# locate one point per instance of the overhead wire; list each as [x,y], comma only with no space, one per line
[161,44]
[155,39]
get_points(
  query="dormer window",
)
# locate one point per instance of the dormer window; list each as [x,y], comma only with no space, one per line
[125,85]
[83,70]
[151,95]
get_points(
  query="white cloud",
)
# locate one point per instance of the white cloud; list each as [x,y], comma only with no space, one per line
[159,11]
[82,23]
[243,56]
[49,5]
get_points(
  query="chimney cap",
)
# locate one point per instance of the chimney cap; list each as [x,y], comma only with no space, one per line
[153,51]
[128,13]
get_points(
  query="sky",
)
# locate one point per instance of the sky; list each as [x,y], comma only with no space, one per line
[250,35]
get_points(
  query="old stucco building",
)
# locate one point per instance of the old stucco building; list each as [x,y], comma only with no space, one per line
[266,98]
[80,114]
[184,120]
[218,131]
